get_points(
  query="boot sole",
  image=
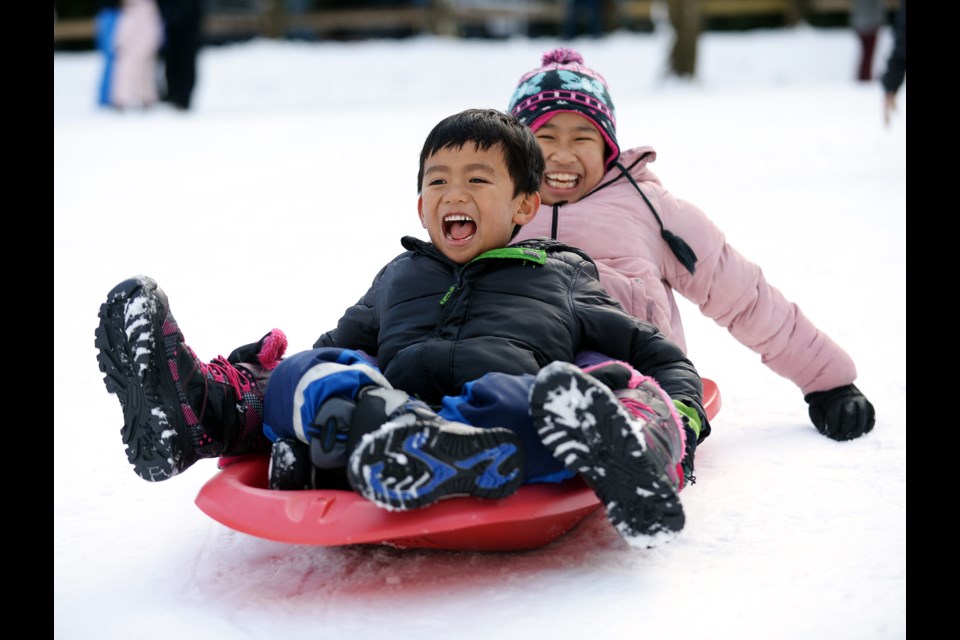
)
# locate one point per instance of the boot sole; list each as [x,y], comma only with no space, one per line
[587,429]
[127,356]
[408,466]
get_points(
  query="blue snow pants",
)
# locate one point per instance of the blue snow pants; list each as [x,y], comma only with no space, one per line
[304,381]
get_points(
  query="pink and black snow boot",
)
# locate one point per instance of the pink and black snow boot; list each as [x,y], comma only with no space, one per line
[628,457]
[177,409]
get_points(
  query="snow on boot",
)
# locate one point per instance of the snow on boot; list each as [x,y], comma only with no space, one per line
[290,468]
[176,409]
[630,462]
[296,465]
[417,458]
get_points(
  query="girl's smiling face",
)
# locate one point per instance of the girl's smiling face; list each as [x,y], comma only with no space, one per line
[575,151]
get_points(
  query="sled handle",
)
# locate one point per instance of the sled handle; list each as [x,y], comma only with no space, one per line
[711,398]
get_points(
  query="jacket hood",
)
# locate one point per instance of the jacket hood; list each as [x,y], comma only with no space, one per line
[632,166]
[635,160]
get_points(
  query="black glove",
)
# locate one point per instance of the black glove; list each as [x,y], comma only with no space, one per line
[842,413]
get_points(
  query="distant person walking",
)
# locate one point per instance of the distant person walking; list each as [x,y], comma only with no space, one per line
[866,18]
[896,72]
[587,12]
[105,24]
[136,41]
[183,20]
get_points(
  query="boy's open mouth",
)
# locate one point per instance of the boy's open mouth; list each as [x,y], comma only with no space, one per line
[561,180]
[458,227]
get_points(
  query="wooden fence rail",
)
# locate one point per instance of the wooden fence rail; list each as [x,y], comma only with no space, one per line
[452,17]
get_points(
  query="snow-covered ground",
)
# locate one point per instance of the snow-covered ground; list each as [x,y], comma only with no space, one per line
[276,199]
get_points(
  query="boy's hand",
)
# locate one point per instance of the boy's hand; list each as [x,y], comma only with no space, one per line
[843,413]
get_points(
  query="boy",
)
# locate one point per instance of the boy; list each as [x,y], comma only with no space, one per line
[464,324]
[612,206]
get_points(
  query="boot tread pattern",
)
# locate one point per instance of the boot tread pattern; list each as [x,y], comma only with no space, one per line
[128,339]
[587,428]
[411,463]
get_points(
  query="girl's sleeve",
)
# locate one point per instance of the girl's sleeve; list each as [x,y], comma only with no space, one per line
[733,291]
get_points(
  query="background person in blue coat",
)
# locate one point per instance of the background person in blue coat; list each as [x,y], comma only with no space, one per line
[105,24]
[466,327]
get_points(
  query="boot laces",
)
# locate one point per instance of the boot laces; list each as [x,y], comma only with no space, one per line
[637,409]
[221,370]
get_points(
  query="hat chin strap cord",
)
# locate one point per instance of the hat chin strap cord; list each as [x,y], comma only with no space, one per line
[681,250]
[677,245]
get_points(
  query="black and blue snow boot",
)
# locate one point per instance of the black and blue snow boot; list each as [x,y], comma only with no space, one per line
[414,458]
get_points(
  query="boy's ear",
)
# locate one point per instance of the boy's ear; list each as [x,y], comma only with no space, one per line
[527,208]
[420,211]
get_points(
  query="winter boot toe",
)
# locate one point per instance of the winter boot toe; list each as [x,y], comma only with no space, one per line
[134,339]
[588,429]
[418,458]
[290,467]
[176,409]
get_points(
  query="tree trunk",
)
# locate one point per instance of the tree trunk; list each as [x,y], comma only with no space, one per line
[275,20]
[685,16]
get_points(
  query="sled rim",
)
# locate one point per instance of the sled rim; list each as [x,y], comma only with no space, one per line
[535,515]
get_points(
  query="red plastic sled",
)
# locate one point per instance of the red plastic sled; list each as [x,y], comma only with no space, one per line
[537,514]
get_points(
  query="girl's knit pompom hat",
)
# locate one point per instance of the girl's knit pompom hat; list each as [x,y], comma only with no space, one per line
[564,84]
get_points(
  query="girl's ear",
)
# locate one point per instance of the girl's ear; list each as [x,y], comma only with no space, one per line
[527,208]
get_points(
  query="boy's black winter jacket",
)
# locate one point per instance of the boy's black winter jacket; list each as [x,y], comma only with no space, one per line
[434,325]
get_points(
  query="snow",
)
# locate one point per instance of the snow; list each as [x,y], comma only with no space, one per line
[278,197]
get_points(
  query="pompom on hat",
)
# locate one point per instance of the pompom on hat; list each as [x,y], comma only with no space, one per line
[564,84]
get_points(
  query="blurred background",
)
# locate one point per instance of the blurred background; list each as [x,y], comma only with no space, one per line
[229,21]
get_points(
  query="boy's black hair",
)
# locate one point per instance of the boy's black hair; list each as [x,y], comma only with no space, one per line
[487,128]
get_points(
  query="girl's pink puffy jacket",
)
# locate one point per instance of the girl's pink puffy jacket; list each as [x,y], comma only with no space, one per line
[616,228]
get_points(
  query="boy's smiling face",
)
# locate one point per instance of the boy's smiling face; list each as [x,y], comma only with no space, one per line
[575,151]
[467,204]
